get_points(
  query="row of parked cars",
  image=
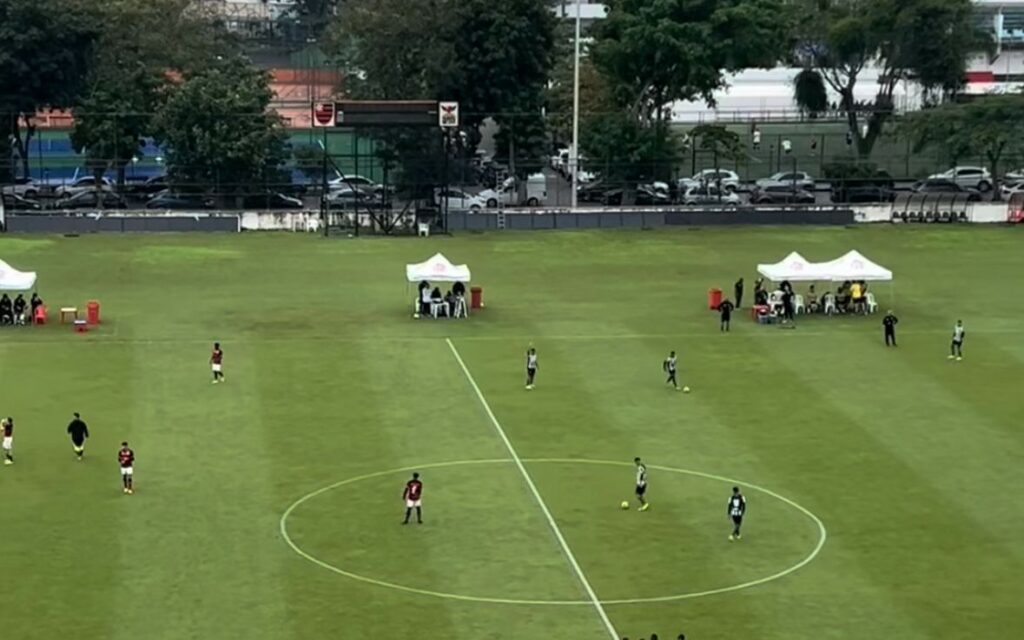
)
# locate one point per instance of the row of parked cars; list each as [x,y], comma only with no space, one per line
[87,192]
[723,186]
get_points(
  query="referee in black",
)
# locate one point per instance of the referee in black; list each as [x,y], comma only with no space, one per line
[889,325]
[79,432]
[725,309]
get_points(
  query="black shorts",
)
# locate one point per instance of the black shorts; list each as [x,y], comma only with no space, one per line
[531,372]
[737,520]
[641,489]
[78,442]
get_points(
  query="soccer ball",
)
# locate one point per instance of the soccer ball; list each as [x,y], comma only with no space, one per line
[686,389]
[624,505]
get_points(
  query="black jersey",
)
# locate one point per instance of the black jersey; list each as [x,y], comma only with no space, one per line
[737,505]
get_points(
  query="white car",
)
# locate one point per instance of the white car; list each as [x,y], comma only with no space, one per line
[1010,187]
[968,177]
[80,185]
[730,180]
[459,200]
[802,179]
[344,182]
[23,187]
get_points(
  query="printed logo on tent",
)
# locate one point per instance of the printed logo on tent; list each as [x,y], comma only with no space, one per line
[858,265]
[440,267]
[796,266]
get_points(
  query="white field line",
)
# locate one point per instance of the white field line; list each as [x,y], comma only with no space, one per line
[536,494]
[767,333]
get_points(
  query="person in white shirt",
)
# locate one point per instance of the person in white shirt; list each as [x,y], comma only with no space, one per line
[956,347]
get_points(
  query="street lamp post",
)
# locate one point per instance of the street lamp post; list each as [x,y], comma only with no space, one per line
[575,157]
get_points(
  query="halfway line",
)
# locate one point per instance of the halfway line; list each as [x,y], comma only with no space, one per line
[536,494]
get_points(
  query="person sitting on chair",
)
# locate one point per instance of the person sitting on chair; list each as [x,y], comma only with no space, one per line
[424,299]
[436,302]
[449,301]
[35,303]
[812,300]
[19,309]
[459,289]
[6,310]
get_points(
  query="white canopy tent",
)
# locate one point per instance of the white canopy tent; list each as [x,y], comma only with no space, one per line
[855,266]
[13,280]
[794,268]
[437,269]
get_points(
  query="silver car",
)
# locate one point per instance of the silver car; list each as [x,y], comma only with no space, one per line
[730,180]
[802,179]
[23,187]
[709,195]
[968,177]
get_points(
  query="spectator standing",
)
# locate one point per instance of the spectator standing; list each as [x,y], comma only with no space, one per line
[725,309]
[889,326]
[738,290]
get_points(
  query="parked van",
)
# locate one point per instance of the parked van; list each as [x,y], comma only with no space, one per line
[531,192]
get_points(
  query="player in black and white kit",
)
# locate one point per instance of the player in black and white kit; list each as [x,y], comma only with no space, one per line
[531,366]
[669,366]
[641,484]
[736,507]
[956,347]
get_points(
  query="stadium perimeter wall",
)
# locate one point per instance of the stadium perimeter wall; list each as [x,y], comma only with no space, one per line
[309,221]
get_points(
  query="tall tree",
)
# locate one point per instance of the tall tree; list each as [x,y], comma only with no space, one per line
[926,41]
[219,133]
[130,74]
[493,58]
[45,51]
[655,53]
[991,128]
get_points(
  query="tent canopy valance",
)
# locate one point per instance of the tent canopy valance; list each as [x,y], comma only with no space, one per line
[13,280]
[437,269]
[850,266]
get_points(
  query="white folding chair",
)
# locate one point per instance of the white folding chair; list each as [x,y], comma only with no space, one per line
[798,305]
[872,305]
[830,306]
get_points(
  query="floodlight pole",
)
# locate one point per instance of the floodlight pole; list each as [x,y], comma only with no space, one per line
[575,157]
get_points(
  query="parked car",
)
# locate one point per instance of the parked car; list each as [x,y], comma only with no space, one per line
[781,194]
[592,193]
[345,182]
[24,187]
[943,185]
[272,200]
[729,180]
[646,196]
[1010,187]
[14,202]
[151,186]
[171,200]
[801,179]
[85,183]
[90,200]
[709,195]
[531,192]
[969,177]
[352,198]
[459,200]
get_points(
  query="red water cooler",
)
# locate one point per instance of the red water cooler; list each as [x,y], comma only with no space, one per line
[714,299]
[476,297]
[92,312]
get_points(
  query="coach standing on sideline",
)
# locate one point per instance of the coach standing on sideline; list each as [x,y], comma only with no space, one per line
[738,290]
[889,325]
[79,432]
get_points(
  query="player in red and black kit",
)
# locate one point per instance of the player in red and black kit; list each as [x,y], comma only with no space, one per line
[413,498]
[217,363]
[126,458]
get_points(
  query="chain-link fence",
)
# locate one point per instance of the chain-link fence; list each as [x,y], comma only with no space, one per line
[370,170]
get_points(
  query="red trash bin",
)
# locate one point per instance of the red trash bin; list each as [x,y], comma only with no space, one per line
[92,312]
[714,299]
[476,297]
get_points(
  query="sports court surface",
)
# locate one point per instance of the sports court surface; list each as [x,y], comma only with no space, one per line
[883,484]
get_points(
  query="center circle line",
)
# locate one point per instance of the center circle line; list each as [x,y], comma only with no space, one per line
[283,528]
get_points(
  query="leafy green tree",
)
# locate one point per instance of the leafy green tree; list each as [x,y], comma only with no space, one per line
[493,58]
[926,41]
[309,159]
[131,72]
[991,128]
[810,92]
[219,132]
[45,51]
[655,53]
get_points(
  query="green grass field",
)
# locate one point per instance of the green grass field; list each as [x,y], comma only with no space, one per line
[912,463]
